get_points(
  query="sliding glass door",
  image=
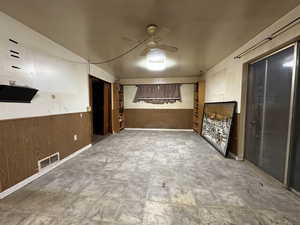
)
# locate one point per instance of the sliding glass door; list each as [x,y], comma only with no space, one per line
[268,112]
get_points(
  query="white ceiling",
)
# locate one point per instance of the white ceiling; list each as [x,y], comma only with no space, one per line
[204,31]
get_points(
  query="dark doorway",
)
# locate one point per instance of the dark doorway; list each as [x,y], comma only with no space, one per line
[268,112]
[100,98]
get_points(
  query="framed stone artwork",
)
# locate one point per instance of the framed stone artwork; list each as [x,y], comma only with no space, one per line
[217,124]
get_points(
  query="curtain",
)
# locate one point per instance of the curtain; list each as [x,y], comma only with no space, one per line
[158,93]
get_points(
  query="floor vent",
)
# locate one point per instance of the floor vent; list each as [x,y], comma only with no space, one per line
[43,163]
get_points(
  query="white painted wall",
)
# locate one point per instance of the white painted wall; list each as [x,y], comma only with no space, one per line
[224,81]
[100,73]
[47,66]
[187,95]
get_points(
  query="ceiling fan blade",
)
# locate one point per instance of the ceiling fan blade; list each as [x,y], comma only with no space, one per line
[145,51]
[129,39]
[168,48]
[156,38]
[163,31]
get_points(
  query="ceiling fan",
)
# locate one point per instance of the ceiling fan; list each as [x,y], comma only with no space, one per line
[154,41]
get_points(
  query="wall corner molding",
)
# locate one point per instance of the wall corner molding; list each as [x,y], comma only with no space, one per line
[235,157]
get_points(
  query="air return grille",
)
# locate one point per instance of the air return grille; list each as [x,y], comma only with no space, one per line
[48,161]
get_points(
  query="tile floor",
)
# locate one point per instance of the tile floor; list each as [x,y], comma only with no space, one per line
[152,178]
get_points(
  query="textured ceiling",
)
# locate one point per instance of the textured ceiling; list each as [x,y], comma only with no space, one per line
[204,31]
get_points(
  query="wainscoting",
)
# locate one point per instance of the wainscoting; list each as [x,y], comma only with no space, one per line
[25,141]
[159,118]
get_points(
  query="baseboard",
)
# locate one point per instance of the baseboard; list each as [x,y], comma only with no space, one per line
[295,192]
[235,157]
[41,173]
[158,129]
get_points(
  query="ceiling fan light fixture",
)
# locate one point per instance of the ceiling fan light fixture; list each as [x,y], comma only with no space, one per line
[156,60]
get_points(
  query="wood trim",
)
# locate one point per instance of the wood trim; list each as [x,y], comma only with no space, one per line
[27,140]
[107,109]
[110,110]
[91,105]
[118,104]
[116,124]
[121,107]
[199,100]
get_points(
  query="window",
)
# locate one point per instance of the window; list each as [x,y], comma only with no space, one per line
[158,93]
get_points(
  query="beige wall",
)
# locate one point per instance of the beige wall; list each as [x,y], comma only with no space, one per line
[224,81]
[227,81]
[47,66]
[187,95]
[100,73]
[187,92]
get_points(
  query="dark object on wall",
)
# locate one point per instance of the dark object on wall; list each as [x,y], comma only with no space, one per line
[16,94]
[217,124]
[158,93]
[13,41]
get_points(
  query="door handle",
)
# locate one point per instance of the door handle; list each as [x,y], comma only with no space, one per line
[253,123]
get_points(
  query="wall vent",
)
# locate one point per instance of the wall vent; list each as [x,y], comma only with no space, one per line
[43,163]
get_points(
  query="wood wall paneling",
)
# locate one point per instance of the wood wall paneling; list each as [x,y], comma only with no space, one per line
[91,105]
[199,100]
[196,125]
[4,178]
[121,107]
[159,118]
[118,115]
[25,141]
[116,124]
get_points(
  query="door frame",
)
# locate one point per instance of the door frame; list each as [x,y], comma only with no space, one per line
[90,79]
[244,104]
[109,107]
[293,119]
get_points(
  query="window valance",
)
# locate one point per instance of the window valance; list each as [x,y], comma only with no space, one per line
[158,93]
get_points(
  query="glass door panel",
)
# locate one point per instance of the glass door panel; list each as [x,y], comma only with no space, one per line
[268,112]
[277,112]
[255,105]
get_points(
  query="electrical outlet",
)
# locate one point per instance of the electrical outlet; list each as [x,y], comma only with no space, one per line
[12,83]
[75,137]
